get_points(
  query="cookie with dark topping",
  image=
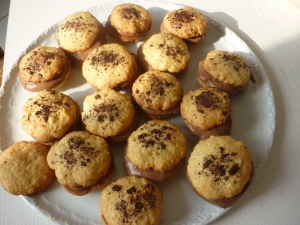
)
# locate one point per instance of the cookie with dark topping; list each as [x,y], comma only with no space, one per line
[131,200]
[164,52]
[157,94]
[129,22]
[219,170]
[44,68]
[110,66]
[186,23]
[82,162]
[78,34]
[227,71]
[155,151]
[49,115]
[206,112]
[109,114]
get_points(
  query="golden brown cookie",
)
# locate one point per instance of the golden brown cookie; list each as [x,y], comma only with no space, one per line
[44,68]
[49,115]
[164,52]
[219,170]
[224,70]
[186,23]
[82,162]
[110,66]
[131,200]
[155,151]
[128,22]
[24,169]
[206,112]
[109,114]
[78,34]
[157,94]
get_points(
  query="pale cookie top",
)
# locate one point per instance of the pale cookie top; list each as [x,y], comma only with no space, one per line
[157,90]
[79,31]
[48,115]
[131,200]
[185,23]
[227,67]
[166,52]
[131,19]
[205,108]
[109,66]
[24,169]
[43,64]
[157,145]
[107,113]
[79,159]
[219,167]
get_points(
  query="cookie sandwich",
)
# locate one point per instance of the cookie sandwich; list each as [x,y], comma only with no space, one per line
[206,112]
[131,200]
[128,22]
[157,94]
[186,23]
[109,114]
[49,115]
[78,34]
[227,71]
[164,52]
[44,68]
[155,151]
[82,162]
[110,66]
[219,170]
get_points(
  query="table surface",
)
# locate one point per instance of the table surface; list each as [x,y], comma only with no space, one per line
[271,29]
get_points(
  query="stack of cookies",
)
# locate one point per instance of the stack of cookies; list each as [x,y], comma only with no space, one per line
[74,140]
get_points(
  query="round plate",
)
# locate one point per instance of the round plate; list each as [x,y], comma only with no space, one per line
[253,123]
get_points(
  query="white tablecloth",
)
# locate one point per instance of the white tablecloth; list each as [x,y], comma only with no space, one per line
[272,30]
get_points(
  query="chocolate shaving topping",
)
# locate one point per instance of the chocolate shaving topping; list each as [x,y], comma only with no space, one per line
[181,17]
[106,59]
[106,112]
[76,25]
[117,188]
[206,163]
[138,206]
[130,12]
[139,199]
[78,151]
[156,137]
[35,63]
[207,99]
[218,165]
[233,169]
[131,190]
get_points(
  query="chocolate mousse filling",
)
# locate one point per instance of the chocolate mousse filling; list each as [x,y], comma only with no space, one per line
[56,82]
[158,114]
[210,81]
[124,135]
[152,175]
[189,41]
[77,58]
[223,129]
[81,190]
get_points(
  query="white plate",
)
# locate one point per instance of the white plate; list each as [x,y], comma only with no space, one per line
[253,123]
